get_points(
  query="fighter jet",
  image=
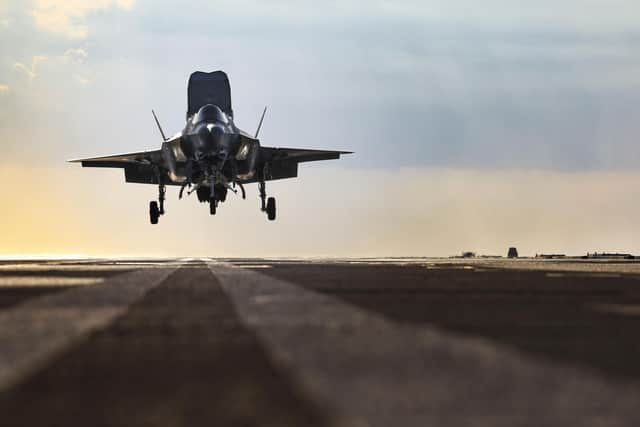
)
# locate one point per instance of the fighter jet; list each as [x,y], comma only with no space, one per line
[211,155]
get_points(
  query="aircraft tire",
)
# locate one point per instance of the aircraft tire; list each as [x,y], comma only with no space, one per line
[154,212]
[221,193]
[271,208]
[212,207]
[203,194]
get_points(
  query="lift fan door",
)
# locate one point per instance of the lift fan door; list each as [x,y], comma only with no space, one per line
[209,88]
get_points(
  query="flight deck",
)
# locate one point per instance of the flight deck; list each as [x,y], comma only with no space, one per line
[316,342]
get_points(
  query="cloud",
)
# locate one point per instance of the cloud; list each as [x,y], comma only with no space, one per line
[30,71]
[4,89]
[82,80]
[498,85]
[67,17]
[397,87]
[76,55]
[71,63]
[582,15]
[404,212]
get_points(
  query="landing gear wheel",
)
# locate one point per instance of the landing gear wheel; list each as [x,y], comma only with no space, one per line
[203,194]
[212,207]
[271,208]
[221,193]
[154,212]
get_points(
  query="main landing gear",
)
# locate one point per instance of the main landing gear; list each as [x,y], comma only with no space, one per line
[268,205]
[157,208]
[213,194]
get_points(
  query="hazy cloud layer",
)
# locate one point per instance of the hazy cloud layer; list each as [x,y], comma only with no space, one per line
[455,84]
[424,92]
[30,70]
[377,213]
[66,17]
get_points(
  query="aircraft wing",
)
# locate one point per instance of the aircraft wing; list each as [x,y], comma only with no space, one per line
[122,160]
[283,162]
[138,167]
[300,155]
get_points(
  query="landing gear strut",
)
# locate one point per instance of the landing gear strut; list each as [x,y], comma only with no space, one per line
[263,196]
[267,205]
[213,199]
[162,191]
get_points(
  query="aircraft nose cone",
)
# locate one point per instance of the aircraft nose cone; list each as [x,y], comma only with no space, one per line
[208,140]
[215,133]
[209,135]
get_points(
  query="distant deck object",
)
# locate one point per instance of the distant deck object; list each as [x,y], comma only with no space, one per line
[513,252]
[606,255]
[551,256]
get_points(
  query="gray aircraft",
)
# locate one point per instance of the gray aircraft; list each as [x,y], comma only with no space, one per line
[211,155]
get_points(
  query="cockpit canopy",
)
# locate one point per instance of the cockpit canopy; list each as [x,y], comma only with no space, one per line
[211,114]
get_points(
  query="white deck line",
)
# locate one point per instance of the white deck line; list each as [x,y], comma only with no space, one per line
[372,371]
[33,333]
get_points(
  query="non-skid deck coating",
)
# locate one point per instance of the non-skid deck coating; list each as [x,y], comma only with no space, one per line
[368,342]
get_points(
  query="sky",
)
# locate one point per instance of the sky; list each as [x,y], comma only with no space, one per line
[475,125]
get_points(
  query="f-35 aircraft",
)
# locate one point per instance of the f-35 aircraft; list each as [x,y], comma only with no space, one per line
[211,156]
